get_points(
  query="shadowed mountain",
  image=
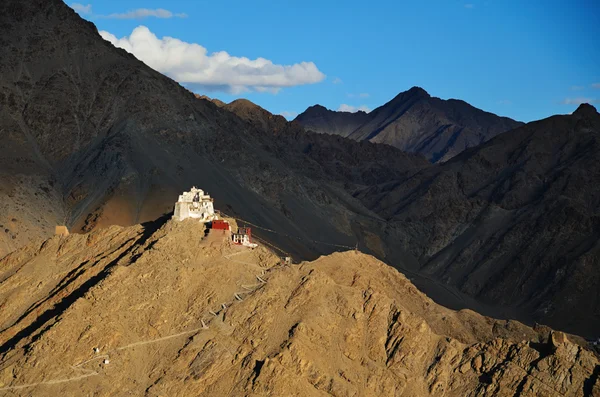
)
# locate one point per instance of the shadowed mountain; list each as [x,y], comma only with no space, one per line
[257,116]
[414,122]
[514,222]
[324,121]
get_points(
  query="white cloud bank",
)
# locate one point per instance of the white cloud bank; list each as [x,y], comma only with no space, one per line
[596,85]
[145,13]
[353,109]
[139,13]
[192,65]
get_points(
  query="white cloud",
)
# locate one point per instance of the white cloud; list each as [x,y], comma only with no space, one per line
[469,5]
[81,9]
[361,95]
[289,115]
[504,102]
[353,109]
[596,85]
[192,65]
[337,80]
[141,13]
[576,88]
[578,101]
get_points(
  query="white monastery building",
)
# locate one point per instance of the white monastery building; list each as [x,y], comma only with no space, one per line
[198,205]
[194,204]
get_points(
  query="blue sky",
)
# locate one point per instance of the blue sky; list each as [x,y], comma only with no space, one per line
[522,59]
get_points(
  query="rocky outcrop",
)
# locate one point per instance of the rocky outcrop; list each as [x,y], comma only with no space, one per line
[414,122]
[159,304]
[216,101]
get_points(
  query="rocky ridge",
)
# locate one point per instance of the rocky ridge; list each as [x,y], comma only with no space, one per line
[159,303]
[413,121]
[514,221]
[319,119]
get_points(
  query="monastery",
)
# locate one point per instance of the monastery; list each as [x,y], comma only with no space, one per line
[198,205]
[194,204]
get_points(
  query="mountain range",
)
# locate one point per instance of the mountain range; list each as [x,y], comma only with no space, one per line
[413,121]
[512,223]
[93,137]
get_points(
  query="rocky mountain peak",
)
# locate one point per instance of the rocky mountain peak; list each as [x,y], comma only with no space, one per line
[586,110]
[243,102]
[418,91]
[319,119]
[413,121]
[317,109]
[414,93]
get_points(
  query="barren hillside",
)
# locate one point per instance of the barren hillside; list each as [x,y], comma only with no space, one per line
[175,313]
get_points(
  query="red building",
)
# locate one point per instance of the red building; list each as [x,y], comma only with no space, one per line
[219,224]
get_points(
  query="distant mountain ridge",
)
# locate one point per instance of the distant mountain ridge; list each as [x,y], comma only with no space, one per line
[413,121]
[513,222]
[319,119]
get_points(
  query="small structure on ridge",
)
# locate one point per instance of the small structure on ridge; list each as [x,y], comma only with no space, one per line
[243,237]
[195,204]
[220,224]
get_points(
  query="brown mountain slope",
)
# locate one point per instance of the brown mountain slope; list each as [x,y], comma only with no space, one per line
[515,221]
[414,122]
[161,307]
